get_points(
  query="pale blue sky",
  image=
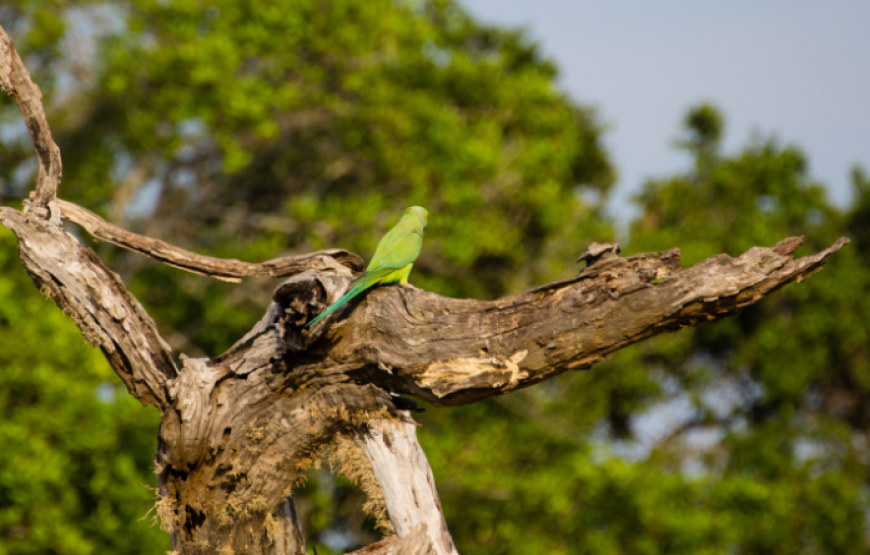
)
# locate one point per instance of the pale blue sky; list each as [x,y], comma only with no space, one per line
[798,69]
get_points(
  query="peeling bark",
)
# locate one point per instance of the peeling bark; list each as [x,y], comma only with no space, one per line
[238,430]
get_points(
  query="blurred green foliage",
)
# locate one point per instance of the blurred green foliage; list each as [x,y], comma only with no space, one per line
[743,437]
[260,128]
[76,446]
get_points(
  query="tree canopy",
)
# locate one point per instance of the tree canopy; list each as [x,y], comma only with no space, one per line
[250,129]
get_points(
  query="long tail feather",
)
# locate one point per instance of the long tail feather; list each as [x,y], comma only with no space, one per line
[387,275]
[340,302]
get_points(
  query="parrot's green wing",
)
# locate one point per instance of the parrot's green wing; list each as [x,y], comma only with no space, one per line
[393,258]
[400,246]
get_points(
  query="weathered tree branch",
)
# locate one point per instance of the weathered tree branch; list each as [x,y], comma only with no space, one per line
[15,81]
[332,260]
[451,352]
[99,303]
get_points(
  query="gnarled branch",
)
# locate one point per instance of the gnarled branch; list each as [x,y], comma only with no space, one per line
[451,351]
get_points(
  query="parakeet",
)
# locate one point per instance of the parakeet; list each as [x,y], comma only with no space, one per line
[393,258]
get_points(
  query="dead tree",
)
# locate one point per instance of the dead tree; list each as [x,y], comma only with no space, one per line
[238,429]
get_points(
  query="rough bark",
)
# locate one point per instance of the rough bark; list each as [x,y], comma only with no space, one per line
[238,430]
[235,442]
[456,351]
[98,302]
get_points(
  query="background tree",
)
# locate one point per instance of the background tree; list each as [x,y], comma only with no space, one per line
[77,447]
[340,115]
[356,112]
[734,437]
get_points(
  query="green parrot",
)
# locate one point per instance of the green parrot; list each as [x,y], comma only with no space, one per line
[393,258]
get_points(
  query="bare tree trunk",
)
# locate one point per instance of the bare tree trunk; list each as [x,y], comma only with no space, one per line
[238,430]
[412,501]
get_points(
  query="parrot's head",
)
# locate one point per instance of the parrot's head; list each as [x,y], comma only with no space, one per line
[421,213]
